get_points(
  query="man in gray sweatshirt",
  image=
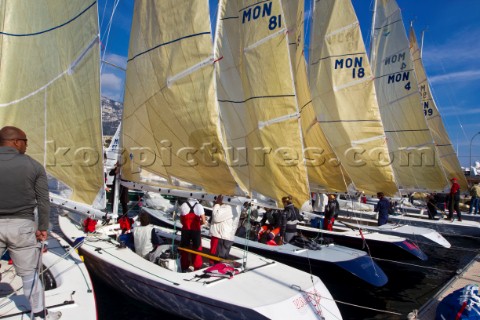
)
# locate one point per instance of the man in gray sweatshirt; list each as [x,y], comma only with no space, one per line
[23,187]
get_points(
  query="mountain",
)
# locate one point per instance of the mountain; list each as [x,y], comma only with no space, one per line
[111,115]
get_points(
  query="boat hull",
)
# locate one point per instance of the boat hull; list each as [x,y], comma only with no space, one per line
[191,295]
[402,249]
[343,262]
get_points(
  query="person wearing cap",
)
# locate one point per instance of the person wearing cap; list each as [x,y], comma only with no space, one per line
[288,221]
[331,212]
[454,200]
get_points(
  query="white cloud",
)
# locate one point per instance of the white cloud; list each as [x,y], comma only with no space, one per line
[452,111]
[112,86]
[467,75]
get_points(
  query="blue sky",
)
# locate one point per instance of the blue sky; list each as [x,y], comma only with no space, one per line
[451,56]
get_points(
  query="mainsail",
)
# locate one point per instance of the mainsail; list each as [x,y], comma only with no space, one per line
[445,150]
[170,122]
[50,88]
[325,173]
[344,97]
[257,99]
[414,158]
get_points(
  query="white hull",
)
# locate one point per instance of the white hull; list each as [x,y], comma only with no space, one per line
[73,295]
[442,226]
[297,294]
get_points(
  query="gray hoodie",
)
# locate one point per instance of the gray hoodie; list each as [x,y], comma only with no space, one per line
[23,186]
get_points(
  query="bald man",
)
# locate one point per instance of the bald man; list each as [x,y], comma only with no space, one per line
[23,187]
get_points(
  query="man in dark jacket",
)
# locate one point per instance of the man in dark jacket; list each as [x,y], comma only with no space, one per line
[382,207]
[288,220]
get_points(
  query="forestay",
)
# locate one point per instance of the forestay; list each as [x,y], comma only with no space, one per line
[445,150]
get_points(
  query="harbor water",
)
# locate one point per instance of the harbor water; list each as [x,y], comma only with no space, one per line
[411,283]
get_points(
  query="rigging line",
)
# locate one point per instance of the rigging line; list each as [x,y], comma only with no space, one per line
[167,43]
[394,73]
[367,308]
[103,15]
[259,97]
[228,18]
[348,121]
[388,24]
[51,29]
[252,5]
[338,55]
[410,130]
[110,22]
[414,265]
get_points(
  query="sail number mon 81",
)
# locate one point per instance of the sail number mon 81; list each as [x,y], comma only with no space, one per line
[260,11]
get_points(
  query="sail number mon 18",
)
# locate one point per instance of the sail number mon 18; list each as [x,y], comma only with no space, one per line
[356,64]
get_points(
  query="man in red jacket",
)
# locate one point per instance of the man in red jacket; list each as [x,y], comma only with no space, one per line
[454,200]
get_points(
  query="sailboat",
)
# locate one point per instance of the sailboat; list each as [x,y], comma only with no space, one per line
[443,144]
[325,171]
[415,158]
[44,91]
[344,97]
[416,155]
[170,129]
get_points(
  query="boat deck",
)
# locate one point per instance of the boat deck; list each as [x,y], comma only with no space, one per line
[469,275]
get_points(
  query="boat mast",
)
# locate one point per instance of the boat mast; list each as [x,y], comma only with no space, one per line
[372,33]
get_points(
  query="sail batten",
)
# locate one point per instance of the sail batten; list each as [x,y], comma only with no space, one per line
[171,121]
[56,58]
[257,100]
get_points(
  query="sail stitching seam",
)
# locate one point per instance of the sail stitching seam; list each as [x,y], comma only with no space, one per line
[51,29]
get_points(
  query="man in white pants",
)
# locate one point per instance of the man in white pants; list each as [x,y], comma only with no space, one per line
[23,187]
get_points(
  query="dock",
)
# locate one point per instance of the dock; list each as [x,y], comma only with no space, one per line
[469,275]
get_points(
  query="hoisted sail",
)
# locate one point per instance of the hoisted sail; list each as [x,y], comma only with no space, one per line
[257,99]
[325,173]
[415,161]
[50,88]
[344,98]
[446,152]
[170,120]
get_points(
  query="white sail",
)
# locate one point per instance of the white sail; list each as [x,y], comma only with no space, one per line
[257,99]
[325,173]
[414,158]
[170,119]
[51,50]
[344,97]
[445,150]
